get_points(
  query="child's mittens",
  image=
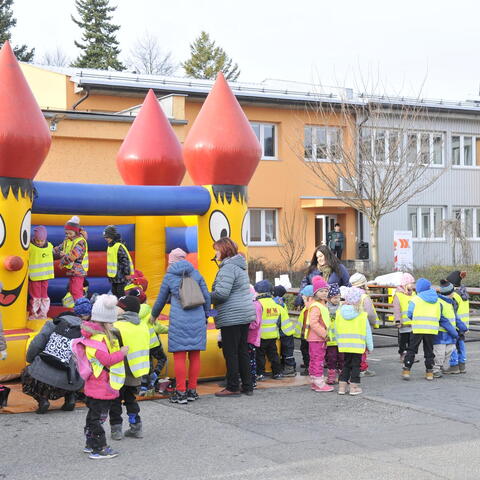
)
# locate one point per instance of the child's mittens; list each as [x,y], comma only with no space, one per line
[3,355]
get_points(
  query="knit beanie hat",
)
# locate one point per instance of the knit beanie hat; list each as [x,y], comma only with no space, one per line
[104,309]
[129,303]
[456,277]
[406,279]
[279,291]
[139,293]
[176,255]
[40,233]
[307,291]
[82,307]
[111,232]
[73,224]
[446,288]
[358,279]
[318,283]
[263,286]
[333,290]
[422,285]
[353,296]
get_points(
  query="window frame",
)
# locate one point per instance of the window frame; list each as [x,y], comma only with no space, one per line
[475,218]
[262,139]
[263,242]
[330,131]
[461,159]
[432,208]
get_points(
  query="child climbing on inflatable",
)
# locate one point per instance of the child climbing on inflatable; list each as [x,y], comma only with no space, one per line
[40,271]
[99,359]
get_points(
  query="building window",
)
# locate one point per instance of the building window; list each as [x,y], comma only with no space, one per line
[426,223]
[470,220]
[267,136]
[394,145]
[263,226]
[465,151]
[322,144]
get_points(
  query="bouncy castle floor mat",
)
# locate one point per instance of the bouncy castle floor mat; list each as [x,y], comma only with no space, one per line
[18,402]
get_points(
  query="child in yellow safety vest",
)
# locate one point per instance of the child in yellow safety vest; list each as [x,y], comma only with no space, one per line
[287,329]
[354,337]
[307,298]
[403,294]
[99,359]
[40,270]
[318,323]
[333,356]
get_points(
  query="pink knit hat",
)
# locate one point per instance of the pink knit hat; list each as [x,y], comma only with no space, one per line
[176,255]
[406,279]
[40,233]
[318,282]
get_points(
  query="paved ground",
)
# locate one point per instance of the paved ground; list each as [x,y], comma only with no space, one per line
[396,430]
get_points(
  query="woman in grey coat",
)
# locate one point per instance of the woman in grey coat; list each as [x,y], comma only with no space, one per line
[232,299]
[44,381]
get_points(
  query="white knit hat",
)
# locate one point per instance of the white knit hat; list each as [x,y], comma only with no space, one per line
[104,309]
[358,279]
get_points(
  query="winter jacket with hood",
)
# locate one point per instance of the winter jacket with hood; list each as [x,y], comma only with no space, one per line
[46,373]
[99,387]
[451,334]
[348,313]
[231,293]
[254,329]
[187,329]
[318,324]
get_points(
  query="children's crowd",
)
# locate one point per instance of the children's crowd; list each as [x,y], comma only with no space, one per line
[109,346]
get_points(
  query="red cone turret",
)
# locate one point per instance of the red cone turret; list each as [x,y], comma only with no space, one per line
[151,153]
[24,136]
[221,147]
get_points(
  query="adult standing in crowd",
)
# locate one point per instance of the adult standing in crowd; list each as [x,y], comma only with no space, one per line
[235,311]
[336,241]
[187,328]
[327,265]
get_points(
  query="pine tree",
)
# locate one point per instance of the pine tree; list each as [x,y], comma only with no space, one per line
[207,60]
[7,22]
[100,45]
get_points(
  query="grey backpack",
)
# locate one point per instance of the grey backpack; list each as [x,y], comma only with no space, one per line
[191,295]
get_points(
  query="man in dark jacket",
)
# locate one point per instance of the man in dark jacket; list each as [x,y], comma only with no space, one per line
[336,241]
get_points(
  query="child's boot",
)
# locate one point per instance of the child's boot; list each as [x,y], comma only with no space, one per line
[319,385]
[429,375]
[116,432]
[406,373]
[452,370]
[135,430]
[342,388]
[69,404]
[289,371]
[43,405]
[462,368]
[332,377]
[44,308]
[355,389]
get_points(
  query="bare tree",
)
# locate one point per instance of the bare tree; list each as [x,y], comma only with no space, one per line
[57,58]
[376,154]
[456,229]
[148,57]
[293,233]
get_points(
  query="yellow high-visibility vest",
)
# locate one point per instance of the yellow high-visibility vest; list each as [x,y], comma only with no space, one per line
[299,325]
[116,371]
[271,312]
[351,334]
[404,300]
[137,337]
[112,259]
[463,312]
[449,313]
[426,316]
[286,323]
[324,313]
[332,333]
[69,245]
[362,300]
[144,314]
[40,262]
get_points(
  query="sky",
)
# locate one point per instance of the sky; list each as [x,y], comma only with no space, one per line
[426,48]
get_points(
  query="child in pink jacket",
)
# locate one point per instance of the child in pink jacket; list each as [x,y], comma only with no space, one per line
[253,338]
[318,324]
[100,363]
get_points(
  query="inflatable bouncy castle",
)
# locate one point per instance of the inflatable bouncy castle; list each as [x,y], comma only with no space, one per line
[152,212]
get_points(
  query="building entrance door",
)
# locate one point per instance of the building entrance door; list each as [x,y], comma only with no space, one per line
[323,225]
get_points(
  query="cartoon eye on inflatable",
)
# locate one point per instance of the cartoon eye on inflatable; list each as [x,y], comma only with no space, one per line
[219,226]
[25,230]
[3,232]
[246,229]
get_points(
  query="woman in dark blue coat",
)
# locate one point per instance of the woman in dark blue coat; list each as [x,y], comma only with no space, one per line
[187,328]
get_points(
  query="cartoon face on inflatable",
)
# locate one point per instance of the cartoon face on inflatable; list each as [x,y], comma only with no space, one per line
[227,217]
[15,219]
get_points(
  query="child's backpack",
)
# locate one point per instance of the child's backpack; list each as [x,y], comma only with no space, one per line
[58,350]
[191,295]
